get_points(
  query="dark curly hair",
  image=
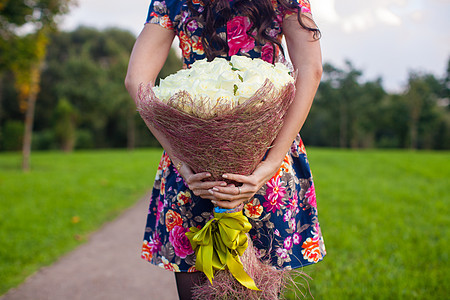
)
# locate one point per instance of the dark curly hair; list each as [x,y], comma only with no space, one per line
[217,13]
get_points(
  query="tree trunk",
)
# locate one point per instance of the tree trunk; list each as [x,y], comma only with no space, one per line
[413,134]
[29,115]
[29,118]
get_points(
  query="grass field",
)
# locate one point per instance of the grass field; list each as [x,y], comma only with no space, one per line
[385,218]
[52,209]
[384,215]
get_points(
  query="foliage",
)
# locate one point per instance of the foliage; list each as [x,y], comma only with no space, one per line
[87,67]
[350,113]
[65,122]
[97,61]
[12,135]
[24,55]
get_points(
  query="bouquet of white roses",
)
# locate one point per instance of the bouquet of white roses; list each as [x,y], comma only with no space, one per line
[220,116]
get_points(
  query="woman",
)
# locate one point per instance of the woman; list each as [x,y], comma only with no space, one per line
[279,196]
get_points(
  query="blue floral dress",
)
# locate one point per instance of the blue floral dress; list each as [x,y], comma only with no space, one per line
[283,213]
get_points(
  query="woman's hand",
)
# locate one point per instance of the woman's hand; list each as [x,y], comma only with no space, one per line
[196,184]
[231,196]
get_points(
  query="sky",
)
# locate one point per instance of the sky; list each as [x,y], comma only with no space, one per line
[383,38]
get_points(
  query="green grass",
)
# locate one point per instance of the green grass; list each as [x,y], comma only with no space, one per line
[39,210]
[384,215]
[385,218]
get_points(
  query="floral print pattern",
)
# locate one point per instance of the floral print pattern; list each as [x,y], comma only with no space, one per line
[175,15]
[283,213]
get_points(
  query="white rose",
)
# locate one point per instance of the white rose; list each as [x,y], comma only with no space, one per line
[227,80]
[203,63]
[280,77]
[225,97]
[253,77]
[241,62]
[217,66]
[247,89]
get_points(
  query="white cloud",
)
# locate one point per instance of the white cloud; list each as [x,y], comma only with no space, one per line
[358,22]
[354,15]
[325,10]
[388,17]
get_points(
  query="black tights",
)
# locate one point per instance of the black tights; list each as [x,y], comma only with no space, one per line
[186,281]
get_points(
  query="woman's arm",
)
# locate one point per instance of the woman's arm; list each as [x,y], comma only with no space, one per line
[147,58]
[306,58]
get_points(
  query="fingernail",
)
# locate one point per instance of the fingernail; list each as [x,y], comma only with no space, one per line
[215,189]
[225,176]
[213,202]
[211,192]
[207,175]
[223,184]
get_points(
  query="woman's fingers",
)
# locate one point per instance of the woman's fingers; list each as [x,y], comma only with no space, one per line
[237,177]
[202,188]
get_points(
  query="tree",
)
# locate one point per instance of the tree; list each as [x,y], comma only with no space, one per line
[24,55]
[65,124]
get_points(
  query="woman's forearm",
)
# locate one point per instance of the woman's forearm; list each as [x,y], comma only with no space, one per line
[306,58]
[147,58]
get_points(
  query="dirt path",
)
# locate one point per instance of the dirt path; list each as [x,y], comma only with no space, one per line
[108,266]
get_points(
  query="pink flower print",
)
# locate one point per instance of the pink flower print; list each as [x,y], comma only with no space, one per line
[287,244]
[311,196]
[192,26]
[292,224]
[184,17]
[156,242]
[267,52]
[296,237]
[272,33]
[160,209]
[180,241]
[274,194]
[150,247]
[237,36]
[287,216]
[293,203]
[277,233]
[282,253]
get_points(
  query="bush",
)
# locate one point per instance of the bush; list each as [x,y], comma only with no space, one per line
[84,139]
[12,136]
[44,140]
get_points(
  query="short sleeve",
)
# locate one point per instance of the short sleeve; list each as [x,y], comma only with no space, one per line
[303,5]
[164,13]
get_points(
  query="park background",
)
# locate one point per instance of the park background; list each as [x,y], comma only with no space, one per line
[378,139]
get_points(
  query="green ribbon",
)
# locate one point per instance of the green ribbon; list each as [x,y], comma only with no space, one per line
[220,243]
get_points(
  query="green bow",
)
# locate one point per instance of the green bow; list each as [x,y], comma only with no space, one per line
[220,243]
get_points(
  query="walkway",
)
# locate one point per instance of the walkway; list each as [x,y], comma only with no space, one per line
[108,267]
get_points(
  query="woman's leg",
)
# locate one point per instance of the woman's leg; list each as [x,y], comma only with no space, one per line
[186,281]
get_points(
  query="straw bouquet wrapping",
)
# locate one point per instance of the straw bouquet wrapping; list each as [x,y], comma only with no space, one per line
[218,135]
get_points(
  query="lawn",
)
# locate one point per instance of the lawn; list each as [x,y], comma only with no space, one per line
[385,219]
[52,209]
[384,215]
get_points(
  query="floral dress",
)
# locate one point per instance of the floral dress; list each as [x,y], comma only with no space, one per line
[283,213]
